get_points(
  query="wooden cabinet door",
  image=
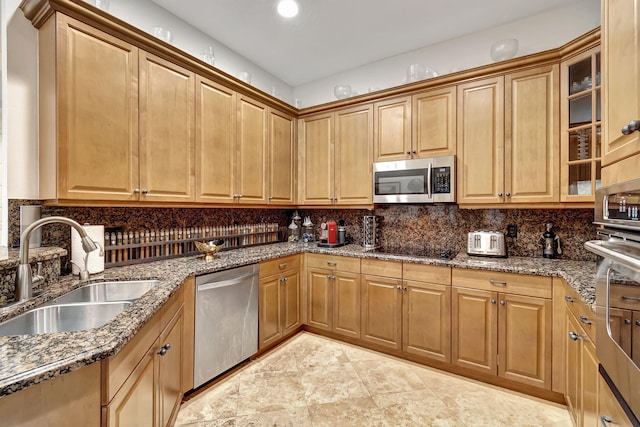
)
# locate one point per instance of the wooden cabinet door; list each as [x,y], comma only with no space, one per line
[135,404]
[167,123]
[346,304]
[316,173]
[251,138]
[434,122]
[573,366]
[532,136]
[590,376]
[635,338]
[291,294]
[270,324]
[474,329]
[319,298]
[426,324]
[282,164]
[382,311]
[95,134]
[480,141]
[524,339]
[621,77]
[169,361]
[392,129]
[354,155]
[215,142]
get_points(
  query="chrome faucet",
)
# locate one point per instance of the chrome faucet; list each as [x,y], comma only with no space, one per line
[24,276]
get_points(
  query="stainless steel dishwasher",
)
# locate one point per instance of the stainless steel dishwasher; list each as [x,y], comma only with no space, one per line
[226,321]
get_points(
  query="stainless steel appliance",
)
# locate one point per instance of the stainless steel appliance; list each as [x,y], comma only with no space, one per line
[486,243]
[431,180]
[226,321]
[619,270]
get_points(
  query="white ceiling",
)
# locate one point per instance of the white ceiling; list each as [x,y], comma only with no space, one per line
[332,36]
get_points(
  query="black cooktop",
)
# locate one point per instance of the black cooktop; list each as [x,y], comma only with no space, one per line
[416,251]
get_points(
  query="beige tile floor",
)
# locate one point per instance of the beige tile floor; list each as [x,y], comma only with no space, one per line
[315,381]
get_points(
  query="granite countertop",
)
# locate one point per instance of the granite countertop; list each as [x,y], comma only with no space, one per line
[30,359]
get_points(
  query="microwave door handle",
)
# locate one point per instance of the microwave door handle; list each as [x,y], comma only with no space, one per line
[429,181]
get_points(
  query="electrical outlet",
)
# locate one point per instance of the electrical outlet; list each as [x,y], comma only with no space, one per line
[512,230]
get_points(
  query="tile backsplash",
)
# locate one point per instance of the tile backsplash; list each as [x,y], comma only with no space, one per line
[439,226]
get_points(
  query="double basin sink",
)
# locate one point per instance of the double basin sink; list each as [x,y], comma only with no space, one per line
[87,307]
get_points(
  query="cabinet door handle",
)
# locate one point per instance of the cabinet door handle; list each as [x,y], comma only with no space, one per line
[585,320]
[573,336]
[501,302]
[145,191]
[164,349]
[136,191]
[633,126]
[499,194]
[404,288]
[605,421]
[637,322]
[283,265]
[413,152]
[567,298]
[408,152]
[331,277]
[630,298]
[627,321]
[398,287]
[508,194]
[497,282]
[493,301]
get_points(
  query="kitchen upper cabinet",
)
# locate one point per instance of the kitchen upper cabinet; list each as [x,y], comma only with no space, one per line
[251,138]
[167,139]
[581,147]
[88,85]
[507,134]
[621,89]
[215,142]
[282,161]
[392,129]
[417,126]
[434,122]
[336,152]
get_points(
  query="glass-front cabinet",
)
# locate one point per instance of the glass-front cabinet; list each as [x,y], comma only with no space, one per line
[581,127]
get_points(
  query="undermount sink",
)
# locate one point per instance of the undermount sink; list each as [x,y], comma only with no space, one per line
[63,318]
[107,292]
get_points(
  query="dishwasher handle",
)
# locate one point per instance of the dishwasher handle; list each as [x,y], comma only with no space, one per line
[224,283]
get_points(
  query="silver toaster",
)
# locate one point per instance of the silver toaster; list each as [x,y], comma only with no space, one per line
[486,243]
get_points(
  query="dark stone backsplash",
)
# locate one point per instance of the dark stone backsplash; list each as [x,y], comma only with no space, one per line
[439,227]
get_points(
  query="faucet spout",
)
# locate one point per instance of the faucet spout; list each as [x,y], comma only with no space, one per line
[24,275]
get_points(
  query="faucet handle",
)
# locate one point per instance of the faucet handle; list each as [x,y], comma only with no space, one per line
[37,278]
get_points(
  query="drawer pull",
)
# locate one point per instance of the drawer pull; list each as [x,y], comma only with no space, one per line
[573,336]
[630,298]
[567,298]
[283,265]
[332,263]
[497,282]
[585,320]
[605,420]
[331,277]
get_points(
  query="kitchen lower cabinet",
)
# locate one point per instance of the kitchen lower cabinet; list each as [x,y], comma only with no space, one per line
[142,384]
[409,315]
[333,292]
[501,325]
[280,297]
[610,413]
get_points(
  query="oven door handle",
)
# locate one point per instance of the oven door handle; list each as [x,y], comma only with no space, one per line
[599,247]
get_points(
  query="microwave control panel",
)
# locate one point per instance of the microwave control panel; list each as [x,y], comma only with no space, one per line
[441,180]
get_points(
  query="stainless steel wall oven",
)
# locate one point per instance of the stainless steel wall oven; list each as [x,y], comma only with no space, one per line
[618,293]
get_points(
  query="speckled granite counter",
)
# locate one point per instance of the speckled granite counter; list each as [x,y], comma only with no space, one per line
[27,360]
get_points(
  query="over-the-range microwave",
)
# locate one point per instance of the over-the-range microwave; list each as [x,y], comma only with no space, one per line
[430,180]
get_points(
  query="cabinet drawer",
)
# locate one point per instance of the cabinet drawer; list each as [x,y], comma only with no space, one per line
[171,307]
[580,310]
[521,284]
[377,267]
[275,266]
[625,297]
[426,273]
[340,263]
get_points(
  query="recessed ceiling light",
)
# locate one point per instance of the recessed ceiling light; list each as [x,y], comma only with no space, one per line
[288,8]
